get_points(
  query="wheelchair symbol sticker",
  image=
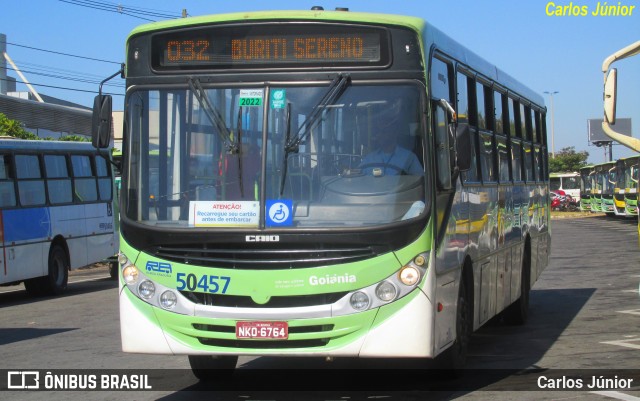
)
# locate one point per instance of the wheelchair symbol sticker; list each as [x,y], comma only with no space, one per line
[279,213]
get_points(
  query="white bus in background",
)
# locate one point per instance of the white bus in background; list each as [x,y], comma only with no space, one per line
[567,182]
[56,212]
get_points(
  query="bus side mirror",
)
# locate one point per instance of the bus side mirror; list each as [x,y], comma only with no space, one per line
[610,88]
[463,147]
[101,121]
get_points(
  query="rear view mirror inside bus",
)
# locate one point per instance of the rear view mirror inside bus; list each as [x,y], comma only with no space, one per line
[610,87]
[463,147]
[101,121]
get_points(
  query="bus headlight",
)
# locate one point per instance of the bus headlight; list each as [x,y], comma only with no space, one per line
[390,289]
[168,299]
[385,291]
[146,289]
[359,300]
[130,274]
[409,275]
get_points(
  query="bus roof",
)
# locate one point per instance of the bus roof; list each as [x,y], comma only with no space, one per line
[556,175]
[15,144]
[415,23]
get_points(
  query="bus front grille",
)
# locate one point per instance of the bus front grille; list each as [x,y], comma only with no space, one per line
[237,301]
[260,258]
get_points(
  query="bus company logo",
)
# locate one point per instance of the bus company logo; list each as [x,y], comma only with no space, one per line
[333,279]
[159,268]
[262,238]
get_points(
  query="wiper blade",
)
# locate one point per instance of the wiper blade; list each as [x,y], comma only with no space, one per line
[287,134]
[336,89]
[214,116]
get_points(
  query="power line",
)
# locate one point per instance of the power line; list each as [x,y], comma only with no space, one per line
[63,54]
[135,12]
[63,71]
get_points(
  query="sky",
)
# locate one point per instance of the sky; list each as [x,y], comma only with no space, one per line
[52,42]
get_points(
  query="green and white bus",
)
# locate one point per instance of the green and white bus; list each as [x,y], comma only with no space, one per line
[585,188]
[626,188]
[607,172]
[602,185]
[323,183]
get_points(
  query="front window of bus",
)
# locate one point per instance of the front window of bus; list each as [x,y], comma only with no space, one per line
[359,163]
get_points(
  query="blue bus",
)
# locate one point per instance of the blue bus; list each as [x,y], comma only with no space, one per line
[56,212]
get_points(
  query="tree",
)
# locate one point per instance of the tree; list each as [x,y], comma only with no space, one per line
[568,160]
[14,128]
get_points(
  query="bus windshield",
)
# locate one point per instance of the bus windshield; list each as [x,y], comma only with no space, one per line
[222,156]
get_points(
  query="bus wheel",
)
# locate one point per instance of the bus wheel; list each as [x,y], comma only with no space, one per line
[518,312]
[56,281]
[455,357]
[212,367]
[113,269]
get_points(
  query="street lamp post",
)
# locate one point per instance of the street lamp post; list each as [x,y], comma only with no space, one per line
[553,145]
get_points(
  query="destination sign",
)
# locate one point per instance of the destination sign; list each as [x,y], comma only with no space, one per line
[268,46]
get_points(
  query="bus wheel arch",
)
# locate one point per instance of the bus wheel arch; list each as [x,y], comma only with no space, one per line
[57,277]
[59,265]
[454,357]
[518,312]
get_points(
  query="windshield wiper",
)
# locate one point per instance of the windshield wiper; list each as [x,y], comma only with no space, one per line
[287,134]
[214,116]
[336,89]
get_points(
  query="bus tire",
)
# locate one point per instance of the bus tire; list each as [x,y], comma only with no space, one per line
[113,269]
[518,312]
[455,357]
[212,367]
[55,283]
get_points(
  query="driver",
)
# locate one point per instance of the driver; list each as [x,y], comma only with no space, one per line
[389,158]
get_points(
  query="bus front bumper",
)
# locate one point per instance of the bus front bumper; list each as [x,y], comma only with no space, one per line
[398,329]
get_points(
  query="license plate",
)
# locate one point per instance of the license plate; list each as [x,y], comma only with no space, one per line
[262,330]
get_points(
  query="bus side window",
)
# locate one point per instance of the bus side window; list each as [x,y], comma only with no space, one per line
[463,111]
[7,188]
[84,181]
[58,180]
[442,88]
[104,179]
[30,182]
[443,151]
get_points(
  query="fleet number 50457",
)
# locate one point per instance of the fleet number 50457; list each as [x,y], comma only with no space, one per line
[204,283]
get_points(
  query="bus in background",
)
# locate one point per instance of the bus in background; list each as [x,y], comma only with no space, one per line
[608,172]
[631,166]
[602,188]
[567,182]
[371,189]
[585,188]
[56,212]
[116,157]
[596,189]
[625,191]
